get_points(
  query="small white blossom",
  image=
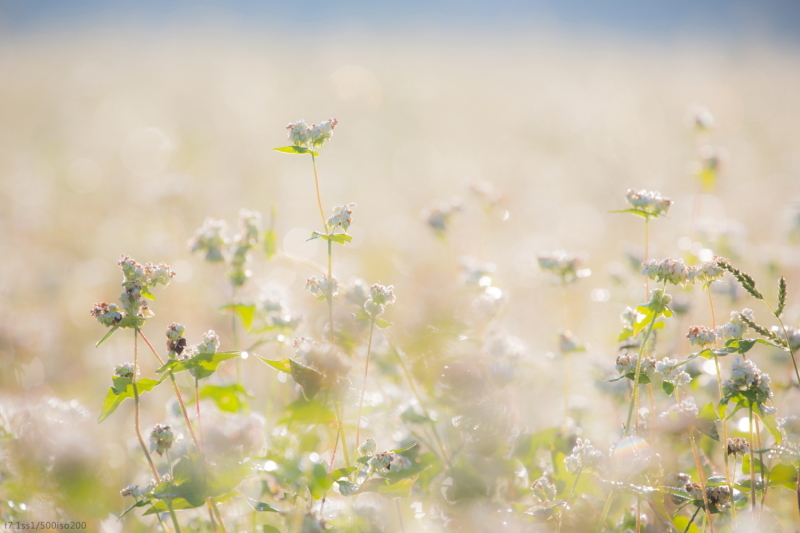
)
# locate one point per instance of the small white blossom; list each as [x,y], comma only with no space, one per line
[544,489]
[649,202]
[736,328]
[249,227]
[106,314]
[210,342]
[672,372]
[161,438]
[701,336]
[565,266]
[368,447]
[379,297]
[626,364]
[322,132]
[583,455]
[321,286]
[298,133]
[438,217]
[210,239]
[342,216]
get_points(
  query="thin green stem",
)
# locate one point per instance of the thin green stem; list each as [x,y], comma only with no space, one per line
[172,514]
[752,462]
[400,516]
[136,407]
[364,384]
[319,196]
[569,497]
[786,339]
[235,337]
[332,338]
[606,509]
[700,476]
[697,510]
[634,405]
[202,447]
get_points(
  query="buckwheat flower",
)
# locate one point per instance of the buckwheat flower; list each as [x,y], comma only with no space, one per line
[738,446]
[210,239]
[132,270]
[249,227]
[678,417]
[210,342]
[718,495]
[176,342]
[694,490]
[475,273]
[130,490]
[379,297]
[368,447]
[744,373]
[322,132]
[275,312]
[357,292]
[160,274]
[745,376]
[490,302]
[543,489]
[131,299]
[161,438]
[670,270]
[583,455]
[320,286]
[672,372]
[565,266]
[238,273]
[382,461]
[707,271]
[106,314]
[299,133]
[126,370]
[736,328]
[659,300]
[342,216]
[626,364]
[438,217]
[789,427]
[701,336]
[628,318]
[651,203]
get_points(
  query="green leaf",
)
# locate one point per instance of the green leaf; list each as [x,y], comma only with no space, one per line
[746,464]
[401,450]
[706,421]
[676,491]
[202,365]
[260,506]
[107,335]
[147,294]
[771,423]
[667,387]
[122,390]
[633,211]
[387,489]
[283,365]
[341,238]
[307,412]
[682,521]
[296,150]
[783,475]
[140,503]
[227,398]
[270,529]
[270,243]
[245,312]
[309,379]
[178,504]
[383,324]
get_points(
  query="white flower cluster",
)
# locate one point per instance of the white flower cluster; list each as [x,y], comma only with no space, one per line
[438,217]
[381,460]
[368,447]
[544,489]
[673,372]
[275,313]
[210,239]
[583,455]
[137,280]
[107,314]
[745,376]
[563,265]
[379,297]
[649,202]
[701,336]
[176,342]
[676,272]
[626,364]
[475,273]
[738,446]
[126,370]
[322,286]
[136,491]
[736,328]
[306,136]
[342,216]
[249,228]
[210,343]
[490,301]
[161,438]
[628,318]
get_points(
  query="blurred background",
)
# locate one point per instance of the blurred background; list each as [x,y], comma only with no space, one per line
[124,124]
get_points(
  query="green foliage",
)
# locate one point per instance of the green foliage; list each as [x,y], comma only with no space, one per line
[227,398]
[121,391]
[245,312]
[126,322]
[201,365]
[341,238]
[296,150]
